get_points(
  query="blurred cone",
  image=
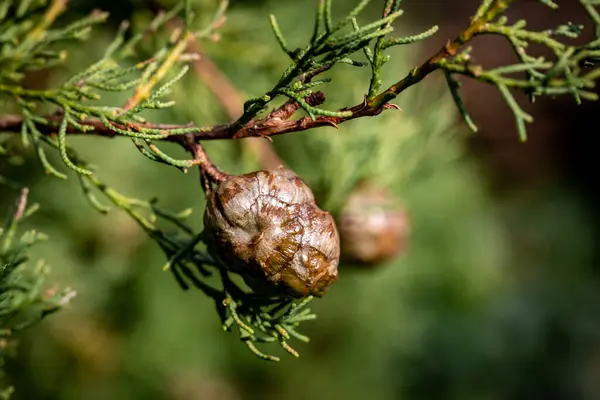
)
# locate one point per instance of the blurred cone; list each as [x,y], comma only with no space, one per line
[373,226]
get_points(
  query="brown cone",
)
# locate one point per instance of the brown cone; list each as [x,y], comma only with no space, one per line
[266,227]
[373,227]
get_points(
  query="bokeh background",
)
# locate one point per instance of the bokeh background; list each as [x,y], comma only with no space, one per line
[497,296]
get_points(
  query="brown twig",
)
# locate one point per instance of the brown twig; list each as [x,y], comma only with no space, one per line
[268,126]
[261,127]
[21,204]
[273,124]
[451,48]
[208,170]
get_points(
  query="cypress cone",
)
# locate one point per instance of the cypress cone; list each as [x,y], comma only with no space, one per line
[374,228]
[266,227]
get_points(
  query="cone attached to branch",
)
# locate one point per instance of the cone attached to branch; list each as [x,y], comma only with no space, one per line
[266,227]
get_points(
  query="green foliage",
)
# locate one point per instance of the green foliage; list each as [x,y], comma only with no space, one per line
[109,74]
[571,71]
[331,43]
[23,298]
[257,319]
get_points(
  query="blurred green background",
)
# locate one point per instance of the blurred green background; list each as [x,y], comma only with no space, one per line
[497,297]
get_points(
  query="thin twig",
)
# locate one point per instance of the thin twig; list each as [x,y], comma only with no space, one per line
[144,90]
[21,204]
[273,124]
[206,165]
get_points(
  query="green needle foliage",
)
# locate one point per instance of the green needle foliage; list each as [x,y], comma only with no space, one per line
[75,97]
[571,71]
[32,39]
[331,43]
[23,298]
